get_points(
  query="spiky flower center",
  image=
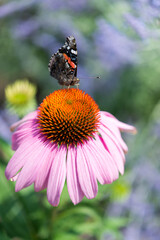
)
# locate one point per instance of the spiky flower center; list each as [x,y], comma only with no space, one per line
[68,116]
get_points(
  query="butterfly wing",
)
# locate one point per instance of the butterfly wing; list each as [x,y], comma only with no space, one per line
[63,64]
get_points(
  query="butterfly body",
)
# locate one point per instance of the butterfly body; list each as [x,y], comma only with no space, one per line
[63,63]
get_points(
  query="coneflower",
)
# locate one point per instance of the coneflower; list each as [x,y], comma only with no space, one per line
[67,138]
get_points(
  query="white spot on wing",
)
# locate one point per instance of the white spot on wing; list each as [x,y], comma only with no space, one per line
[73,51]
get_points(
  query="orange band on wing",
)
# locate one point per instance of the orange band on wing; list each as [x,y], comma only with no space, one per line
[69,61]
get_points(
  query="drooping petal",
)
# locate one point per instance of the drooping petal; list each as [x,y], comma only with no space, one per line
[14,179]
[110,125]
[115,140]
[86,176]
[43,171]
[32,165]
[107,114]
[118,141]
[99,163]
[107,158]
[24,129]
[19,136]
[31,115]
[24,121]
[57,176]
[74,188]
[20,157]
[114,149]
[122,126]
[125,127]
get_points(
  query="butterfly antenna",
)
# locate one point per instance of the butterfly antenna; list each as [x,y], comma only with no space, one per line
[98,77]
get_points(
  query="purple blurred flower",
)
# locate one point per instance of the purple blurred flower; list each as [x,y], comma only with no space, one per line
[155,3]
[64,26]
[138,26]
[16,6]
[25,28]
[141,27]
[147,9]
[66,4]
[6,119]
[46,41]
[114,48]
[140,206]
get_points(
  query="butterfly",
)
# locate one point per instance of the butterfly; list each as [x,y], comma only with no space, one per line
[63,64]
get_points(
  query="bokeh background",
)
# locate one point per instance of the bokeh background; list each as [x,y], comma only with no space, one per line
[120,42]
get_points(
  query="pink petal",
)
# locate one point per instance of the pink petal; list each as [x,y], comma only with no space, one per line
[29,116]
[126,127]
[14,179]
[114,149]
[116,141]
[107,114]
[86,175]
[44,168]
[107,158]
[122,126]
[20,157]
[57,176]
[24,131]
[74,189]
[19,136]
[114,131]
[29,171]
[99,163]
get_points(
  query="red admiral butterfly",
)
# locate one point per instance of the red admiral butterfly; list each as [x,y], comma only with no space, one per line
[63,63]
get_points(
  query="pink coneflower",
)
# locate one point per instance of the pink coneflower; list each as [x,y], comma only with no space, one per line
[67,138]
